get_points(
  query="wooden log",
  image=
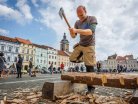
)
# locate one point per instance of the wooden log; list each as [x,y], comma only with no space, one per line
[110,80]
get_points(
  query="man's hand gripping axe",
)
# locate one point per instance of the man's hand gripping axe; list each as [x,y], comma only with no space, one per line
[62,15]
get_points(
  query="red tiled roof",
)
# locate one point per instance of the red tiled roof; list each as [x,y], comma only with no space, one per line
[23,40]
[7,39]
[128,57]
[48,47]
[62,53]
[112,56]
[119,58]
[40,46]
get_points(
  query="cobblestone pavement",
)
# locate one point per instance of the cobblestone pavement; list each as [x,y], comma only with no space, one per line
[11,83]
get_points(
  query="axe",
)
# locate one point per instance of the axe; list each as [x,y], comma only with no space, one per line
[62,15]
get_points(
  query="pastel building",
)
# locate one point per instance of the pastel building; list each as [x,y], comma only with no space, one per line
[52,57]
[127,61]
[41,56]
[27,51]
[63,57]
[10,48]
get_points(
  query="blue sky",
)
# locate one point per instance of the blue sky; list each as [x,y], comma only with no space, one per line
[38,21]
[28,28]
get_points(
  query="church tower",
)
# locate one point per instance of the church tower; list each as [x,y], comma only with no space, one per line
[64,44]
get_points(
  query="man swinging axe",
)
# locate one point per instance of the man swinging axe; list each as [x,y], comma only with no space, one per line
[62,15]
[85,26]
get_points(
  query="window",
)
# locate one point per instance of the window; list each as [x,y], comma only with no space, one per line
[27,51]
[8,58]
[27,58]
[10,49]
[22,50]
[16,50]
[55,57]
[49,56]
[41,55]
[15,59]
[2,47]
[49,62]
[55,63]
[32,52]
[31,59]
[23,57]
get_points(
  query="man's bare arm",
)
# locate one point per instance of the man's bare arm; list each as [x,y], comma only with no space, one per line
[83,31]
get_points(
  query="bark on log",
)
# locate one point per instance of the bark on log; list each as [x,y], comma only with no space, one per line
[110,80]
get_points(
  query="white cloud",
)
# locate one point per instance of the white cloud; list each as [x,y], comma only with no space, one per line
[3,32]
[21,16]
[116,29]
[3,1]
[25,9]
[35,3]
[10,13]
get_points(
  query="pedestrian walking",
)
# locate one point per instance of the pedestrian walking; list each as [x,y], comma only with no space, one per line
[85,49]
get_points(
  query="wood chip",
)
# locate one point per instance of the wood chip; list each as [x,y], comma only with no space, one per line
[121,79]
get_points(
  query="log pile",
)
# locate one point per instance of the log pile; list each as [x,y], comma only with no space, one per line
[89,99]
[33,96]
[23,96]
[108,79]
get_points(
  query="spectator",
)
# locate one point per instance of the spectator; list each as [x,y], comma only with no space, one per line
[19,66]
[30,67]
[98,67]
[2,65]
[82,68]
[62,68]
[51,68]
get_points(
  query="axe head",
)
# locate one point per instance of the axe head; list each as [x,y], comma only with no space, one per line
[61,12]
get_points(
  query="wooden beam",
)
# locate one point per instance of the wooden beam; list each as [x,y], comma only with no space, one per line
[108,79]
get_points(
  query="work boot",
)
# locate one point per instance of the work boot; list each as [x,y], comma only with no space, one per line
[90,89]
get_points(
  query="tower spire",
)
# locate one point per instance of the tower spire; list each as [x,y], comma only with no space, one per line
[64,44]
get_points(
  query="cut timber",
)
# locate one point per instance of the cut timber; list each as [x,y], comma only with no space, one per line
[110,80]
[56,88]
[53,89]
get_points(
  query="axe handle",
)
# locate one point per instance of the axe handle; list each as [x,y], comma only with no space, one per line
[66,21]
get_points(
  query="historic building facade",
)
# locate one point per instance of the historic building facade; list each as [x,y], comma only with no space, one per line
[10,48]
[127,61]
[41,56]
[63,57]
[52,56]
[27,51]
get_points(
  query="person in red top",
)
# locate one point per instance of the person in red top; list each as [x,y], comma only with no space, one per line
[62,68]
